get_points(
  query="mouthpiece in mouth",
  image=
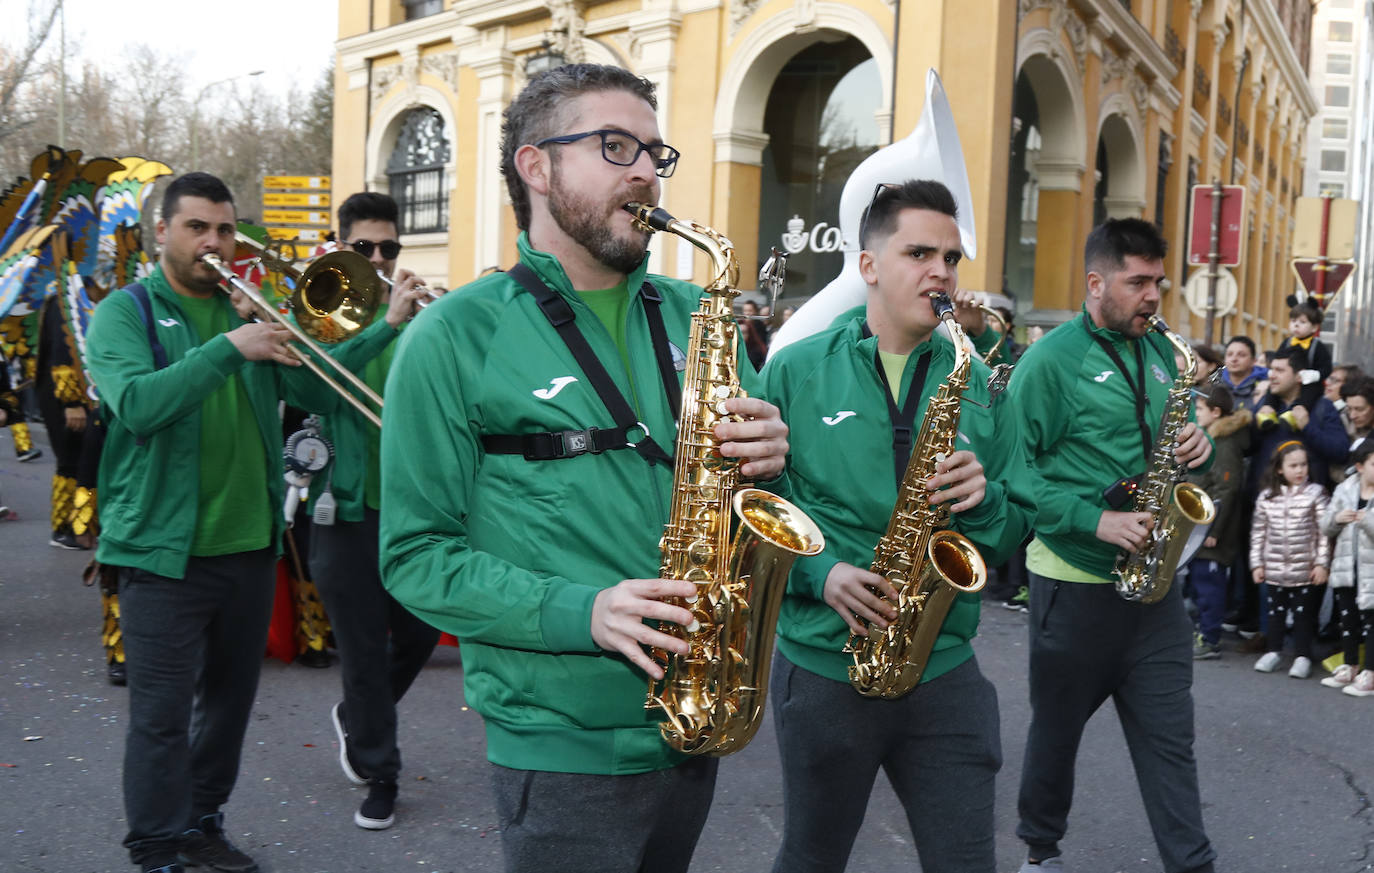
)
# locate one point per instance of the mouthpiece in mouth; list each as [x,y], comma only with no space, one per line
[649,217]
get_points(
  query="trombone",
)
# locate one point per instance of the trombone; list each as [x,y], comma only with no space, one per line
[335,297]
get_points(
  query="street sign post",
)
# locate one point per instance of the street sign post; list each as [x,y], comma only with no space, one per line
[1216,242]
[296,207]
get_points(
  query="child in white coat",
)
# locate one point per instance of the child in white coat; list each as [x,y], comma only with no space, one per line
[1349,520]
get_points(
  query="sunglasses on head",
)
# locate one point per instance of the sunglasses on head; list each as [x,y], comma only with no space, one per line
[389,248]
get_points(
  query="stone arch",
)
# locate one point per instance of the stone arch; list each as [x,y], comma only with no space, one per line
[1121,139]
[763,52]
[386,125]
[1042,58]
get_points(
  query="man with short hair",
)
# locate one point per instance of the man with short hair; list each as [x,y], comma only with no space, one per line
[526,484]
[1319,430]
[190,503]
[382,645]
[850,392]
[1240,373]
[1090,397]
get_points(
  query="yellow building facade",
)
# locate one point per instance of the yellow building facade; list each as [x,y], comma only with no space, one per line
[1068,112]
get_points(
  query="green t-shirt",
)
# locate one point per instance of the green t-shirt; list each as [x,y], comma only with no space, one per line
[1043,562]
[232,512]
[893,366]
[610,306]
[374,374]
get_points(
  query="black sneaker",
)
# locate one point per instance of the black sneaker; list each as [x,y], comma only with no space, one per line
[336,715]
[64,539]
[378,811]
[117,674]
[165,868]
[207,847]
[1018,602]
[30,455]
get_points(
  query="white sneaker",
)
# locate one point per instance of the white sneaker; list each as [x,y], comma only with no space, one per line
[1341,677]
[1268,662]
[1363,686]
[1049,865]
[1302,668]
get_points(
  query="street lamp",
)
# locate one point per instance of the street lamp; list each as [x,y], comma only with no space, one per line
[195,114]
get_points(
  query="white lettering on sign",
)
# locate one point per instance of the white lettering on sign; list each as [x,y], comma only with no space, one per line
[822,238]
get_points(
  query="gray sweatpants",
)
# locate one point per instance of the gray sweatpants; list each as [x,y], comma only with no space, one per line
[587,823]
[940,745]
[1088,644]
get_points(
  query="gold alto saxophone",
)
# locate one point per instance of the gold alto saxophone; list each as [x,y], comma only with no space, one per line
[713,696]
[926,563]
[1145,575]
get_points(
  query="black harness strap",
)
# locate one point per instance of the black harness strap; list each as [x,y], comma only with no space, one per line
[903,418]
[556,445]
[145,305]
[1142,401]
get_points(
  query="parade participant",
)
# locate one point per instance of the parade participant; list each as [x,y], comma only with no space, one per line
[381,644]
[1090,397]
[847,392]
[63,402]
[190,503]
[539,548]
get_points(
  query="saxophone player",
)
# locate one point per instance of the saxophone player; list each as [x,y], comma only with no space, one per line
[1090,398]
[525,486]
[853,396]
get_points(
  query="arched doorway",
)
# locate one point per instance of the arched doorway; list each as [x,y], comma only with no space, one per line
[821,121]
[1023,192]
[1120,188]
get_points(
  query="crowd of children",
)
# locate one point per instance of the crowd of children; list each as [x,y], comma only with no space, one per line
[1292,478]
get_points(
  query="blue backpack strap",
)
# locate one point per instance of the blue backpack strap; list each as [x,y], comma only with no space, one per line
[145,305]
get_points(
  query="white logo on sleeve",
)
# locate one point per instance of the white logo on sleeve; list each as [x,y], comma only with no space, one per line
[168,322]
[1106,374]
[555,386]
[838,417]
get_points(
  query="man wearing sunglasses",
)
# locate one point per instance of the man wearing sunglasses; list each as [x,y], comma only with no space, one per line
[382,645]
[526,483]
[856,396]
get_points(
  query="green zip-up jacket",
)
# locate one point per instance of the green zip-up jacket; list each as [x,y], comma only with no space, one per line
[508,554]
[833,397]
[150,468]
[346,429]
[1078,419]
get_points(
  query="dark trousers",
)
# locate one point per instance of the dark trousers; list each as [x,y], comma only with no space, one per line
[1355,623]
[382,645]
[1209,593]
[940,745]
[586,823]
[1087,644]
[193,648]
[1302,601]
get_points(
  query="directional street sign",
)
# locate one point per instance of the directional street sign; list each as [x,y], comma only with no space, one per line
[318,183]
[296,217]
[284,198]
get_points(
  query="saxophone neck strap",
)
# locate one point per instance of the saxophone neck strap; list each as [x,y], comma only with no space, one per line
[1137,385]
[903,418]
[628,432]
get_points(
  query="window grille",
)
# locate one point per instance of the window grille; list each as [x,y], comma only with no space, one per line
[416,172]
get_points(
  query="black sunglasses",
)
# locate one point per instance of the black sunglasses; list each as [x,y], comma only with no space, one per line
[389,247]
[623,149]
[872,201]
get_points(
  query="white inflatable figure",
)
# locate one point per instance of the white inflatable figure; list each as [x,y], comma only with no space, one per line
[931,151]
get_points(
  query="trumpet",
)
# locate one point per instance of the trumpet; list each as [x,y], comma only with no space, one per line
[335,298]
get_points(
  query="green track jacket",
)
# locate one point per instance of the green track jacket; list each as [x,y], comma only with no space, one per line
[508,554]
[150,468]
[346,429]
[1078,419]
[833,397]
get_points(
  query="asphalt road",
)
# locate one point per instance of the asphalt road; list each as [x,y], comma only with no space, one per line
[1286,765]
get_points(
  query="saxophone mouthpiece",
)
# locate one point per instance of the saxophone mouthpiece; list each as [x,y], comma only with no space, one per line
[940,302]
[649,217]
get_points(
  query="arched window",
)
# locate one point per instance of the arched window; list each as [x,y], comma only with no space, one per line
[416,172]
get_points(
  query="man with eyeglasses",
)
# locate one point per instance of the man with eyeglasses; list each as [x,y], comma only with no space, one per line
[526,483]
[381,644]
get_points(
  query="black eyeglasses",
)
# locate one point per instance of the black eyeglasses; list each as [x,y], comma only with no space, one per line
[872,201]
[390,248]
[623,149]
